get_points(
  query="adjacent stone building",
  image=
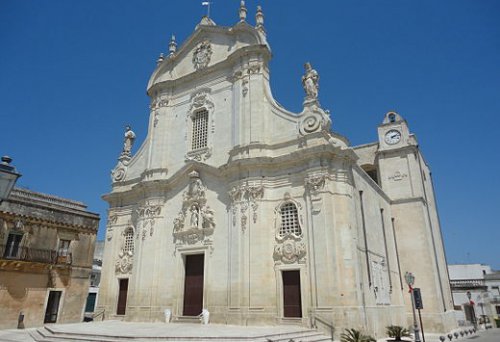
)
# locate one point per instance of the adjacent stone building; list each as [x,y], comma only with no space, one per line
[263,216]
[46,249]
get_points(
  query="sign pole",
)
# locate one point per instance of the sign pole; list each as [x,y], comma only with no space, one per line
[421,325]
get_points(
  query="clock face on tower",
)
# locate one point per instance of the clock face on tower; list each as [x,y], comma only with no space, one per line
[392,137]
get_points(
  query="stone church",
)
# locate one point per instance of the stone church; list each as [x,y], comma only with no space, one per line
[263,216]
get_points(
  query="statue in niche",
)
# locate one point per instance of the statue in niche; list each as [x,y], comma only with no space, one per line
[310,82]
[129,140]
[196,220]
[194,216]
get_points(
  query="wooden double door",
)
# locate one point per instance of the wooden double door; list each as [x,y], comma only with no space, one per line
[193,284]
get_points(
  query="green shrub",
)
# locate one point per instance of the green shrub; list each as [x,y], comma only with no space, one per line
[353,335]
[396,332]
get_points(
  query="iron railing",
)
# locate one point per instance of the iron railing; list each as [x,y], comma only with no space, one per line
[329,326]
[23,253]
[467,283]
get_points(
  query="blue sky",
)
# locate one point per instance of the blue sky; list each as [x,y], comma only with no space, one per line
[74,73]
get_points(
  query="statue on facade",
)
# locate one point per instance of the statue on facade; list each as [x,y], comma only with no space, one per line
[310,82]
[194,216]
[129,140]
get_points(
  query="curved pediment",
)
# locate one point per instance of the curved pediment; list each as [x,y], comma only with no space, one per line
[207,46]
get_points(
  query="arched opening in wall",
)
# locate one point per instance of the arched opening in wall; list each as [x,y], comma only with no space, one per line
[371,170]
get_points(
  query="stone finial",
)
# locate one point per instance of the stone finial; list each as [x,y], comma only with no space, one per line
[160,59]
[243,11]
[259,20]
[310,82]
[172,46]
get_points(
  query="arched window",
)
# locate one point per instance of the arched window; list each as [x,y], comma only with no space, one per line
[200,129]
[289,220]
[128,245]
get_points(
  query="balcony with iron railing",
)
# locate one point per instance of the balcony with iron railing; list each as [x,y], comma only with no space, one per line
[12,254]
[458,284]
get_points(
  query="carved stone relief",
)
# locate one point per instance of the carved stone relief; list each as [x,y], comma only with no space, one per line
[397,176]
[124,262]
[125,259]
[202,55]
[196,220]
[245,196]
[157,103]
[112,219]
[243,74]
[314,119]
[316,181]
[120,171]
[290,251]
[147,215]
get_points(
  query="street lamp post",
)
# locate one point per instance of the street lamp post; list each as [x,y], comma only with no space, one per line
[471,303]
[8,177]
[410,280]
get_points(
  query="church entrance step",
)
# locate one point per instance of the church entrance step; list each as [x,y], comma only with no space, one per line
[187,319]
[116,331]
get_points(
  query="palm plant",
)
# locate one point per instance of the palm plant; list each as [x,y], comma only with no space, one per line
[396,332]
[353,335]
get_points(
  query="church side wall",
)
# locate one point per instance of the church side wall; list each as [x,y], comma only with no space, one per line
[382,297]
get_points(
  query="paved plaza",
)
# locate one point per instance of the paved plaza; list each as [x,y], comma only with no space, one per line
[188,332]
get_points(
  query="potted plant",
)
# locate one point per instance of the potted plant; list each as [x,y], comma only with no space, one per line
[397,332]
[353,335]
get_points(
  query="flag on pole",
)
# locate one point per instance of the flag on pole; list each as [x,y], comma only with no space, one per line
[207,3]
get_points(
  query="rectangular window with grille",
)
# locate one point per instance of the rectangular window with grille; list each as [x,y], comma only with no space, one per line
[200,129]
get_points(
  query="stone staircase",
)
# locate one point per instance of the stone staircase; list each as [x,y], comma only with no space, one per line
[93,332]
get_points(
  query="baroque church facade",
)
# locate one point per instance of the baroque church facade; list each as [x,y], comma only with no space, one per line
[236,205]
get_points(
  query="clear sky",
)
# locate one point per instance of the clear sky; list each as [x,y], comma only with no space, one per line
[74,73]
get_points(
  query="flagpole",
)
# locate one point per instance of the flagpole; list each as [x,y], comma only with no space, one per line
[207,3]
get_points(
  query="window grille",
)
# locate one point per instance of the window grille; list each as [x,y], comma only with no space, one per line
[289,220]
[200,129]
[129,241]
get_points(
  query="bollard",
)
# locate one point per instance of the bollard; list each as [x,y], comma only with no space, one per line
[168,315]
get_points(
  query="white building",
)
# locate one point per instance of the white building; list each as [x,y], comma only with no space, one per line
[263,216]
[483,285]
[95,279]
